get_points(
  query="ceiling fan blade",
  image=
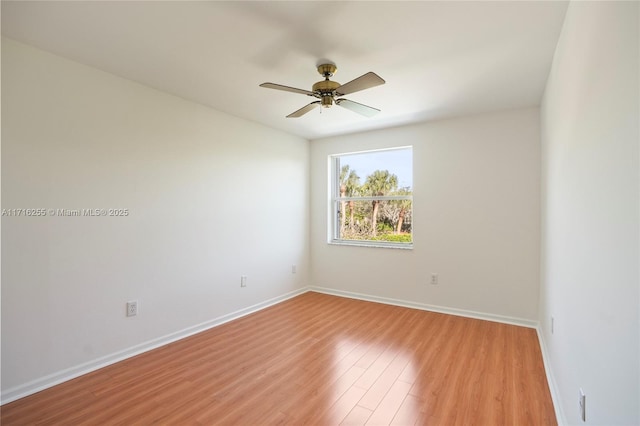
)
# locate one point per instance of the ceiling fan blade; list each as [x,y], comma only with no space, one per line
[365,81]
[365,110]
[286,88]
[304,110]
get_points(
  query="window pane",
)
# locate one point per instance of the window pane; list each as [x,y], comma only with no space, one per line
[365,189]
[375,220]
[398,162]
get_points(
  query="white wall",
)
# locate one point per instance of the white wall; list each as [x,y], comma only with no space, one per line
[211,197]
[476,217]
[590,214]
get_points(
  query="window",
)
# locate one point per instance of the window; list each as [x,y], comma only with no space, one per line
[372,198]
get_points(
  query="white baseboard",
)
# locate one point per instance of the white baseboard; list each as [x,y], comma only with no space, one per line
[50,380]
[553,387]
[426,307]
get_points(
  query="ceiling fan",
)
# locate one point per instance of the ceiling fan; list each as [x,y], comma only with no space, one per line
[329,92]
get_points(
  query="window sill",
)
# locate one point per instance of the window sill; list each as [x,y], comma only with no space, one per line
[371,244]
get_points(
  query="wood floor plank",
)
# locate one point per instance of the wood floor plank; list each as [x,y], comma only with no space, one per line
[315,359]
[390,404]
[376,369]
[408,412]
[342,407]
[357,416]
[385,381]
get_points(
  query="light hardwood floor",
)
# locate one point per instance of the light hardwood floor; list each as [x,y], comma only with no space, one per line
[316,359]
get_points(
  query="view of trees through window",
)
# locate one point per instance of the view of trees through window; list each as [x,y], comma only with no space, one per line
[373,196]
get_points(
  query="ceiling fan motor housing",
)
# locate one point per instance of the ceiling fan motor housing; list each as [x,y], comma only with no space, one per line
[326,90]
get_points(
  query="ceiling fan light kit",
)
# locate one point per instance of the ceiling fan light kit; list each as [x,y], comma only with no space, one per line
[329,92]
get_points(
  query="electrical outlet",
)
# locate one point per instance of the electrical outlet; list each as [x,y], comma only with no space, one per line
[434,279]
[243,281]
[132,308]
[583,408]
[294,269]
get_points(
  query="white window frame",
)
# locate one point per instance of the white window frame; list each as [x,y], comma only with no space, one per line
[335,200]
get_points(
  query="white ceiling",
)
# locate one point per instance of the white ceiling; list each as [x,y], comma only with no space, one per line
[439,59]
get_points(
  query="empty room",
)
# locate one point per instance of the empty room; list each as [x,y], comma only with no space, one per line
[320,212]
